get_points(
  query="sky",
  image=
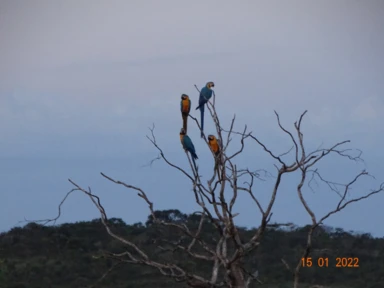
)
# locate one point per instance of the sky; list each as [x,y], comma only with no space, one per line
[81,82]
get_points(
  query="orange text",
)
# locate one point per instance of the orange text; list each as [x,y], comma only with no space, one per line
[338,262]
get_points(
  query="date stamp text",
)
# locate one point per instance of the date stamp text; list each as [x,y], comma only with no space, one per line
[338,262]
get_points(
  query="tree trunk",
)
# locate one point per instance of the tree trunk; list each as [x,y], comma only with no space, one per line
[236,276]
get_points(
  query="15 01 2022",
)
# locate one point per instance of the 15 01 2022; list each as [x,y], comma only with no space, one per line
[338,262]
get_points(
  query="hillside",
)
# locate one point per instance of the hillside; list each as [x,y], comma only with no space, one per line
[62,256]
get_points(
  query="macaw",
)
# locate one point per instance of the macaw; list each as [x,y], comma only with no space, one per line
[205,95]
[188,145]
[185,107]
[214,144]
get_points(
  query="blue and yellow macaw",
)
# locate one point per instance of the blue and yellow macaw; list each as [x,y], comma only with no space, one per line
[188,146]
[205,95]
[214,144]
[185,107]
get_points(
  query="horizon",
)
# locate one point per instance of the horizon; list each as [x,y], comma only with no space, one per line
[291,228]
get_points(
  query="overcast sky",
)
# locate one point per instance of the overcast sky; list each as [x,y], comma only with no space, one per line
[81,82]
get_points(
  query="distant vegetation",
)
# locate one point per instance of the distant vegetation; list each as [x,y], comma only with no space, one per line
[66,256]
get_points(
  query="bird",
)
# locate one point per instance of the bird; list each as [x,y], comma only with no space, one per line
[205,95]
[215,146]
[187,144]
[185,107]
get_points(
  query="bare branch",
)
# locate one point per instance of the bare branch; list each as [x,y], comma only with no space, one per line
[153,141]
[341,206]
[152,161]
[290,134]
[106,274]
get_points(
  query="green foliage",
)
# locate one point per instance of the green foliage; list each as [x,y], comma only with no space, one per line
[62,256]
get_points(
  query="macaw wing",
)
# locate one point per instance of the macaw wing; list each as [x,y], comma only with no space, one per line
[189,105]
[209,94]
[201,97]
[181,105]
[188,143]
[203,92]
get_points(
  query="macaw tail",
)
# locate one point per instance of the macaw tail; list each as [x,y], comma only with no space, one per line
[194,156]
[202,121]
[185,121]
[193,160]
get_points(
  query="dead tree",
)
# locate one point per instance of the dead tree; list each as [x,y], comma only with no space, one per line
[217,207]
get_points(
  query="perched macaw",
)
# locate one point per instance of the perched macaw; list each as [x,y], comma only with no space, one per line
[205,95]
[185,107]
[214,144]
[188,145]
